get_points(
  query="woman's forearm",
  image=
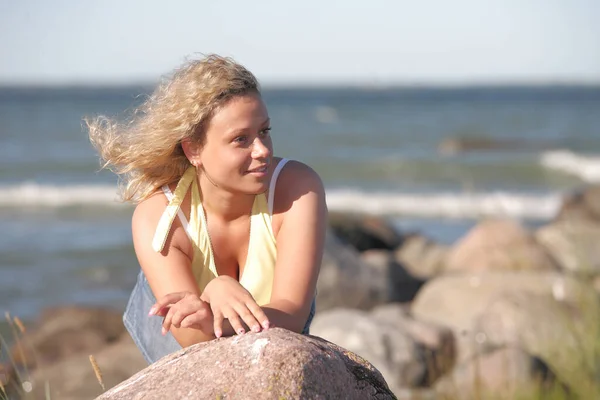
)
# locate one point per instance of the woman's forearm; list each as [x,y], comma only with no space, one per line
[189,336]
[283,314]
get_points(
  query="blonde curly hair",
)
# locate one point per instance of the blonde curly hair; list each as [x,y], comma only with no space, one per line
[145,151]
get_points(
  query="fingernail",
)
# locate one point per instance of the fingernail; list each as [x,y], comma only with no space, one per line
[256,328]
[152,311]
[163,331]
[265,324]
[241,331]
[218,334]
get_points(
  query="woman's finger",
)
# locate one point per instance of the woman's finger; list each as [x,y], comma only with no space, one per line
[236,322]
[218,322]
[247,316]
[228,312]
[183,310]
[166,325]
[165,301]
[197,319]
[258,313]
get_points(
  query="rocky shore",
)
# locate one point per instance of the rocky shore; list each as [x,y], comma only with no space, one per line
[505,310]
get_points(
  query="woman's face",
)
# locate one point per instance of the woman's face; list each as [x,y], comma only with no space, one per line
[237,151]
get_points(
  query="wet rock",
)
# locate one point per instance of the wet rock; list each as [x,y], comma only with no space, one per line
[364,232]
[272,364]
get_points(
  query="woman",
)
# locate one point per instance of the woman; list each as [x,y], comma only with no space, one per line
[229,238]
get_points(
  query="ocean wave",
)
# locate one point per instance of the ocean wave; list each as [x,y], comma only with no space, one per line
[447,205]
[585,167]
[37,195]
[438,205]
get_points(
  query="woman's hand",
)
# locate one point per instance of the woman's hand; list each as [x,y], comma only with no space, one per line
[183,310]
[228,299]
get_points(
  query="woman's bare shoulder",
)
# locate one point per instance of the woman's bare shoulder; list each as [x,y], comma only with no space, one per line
[148,211]
[296,180]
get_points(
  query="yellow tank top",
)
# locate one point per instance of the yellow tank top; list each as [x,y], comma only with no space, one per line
[259,270]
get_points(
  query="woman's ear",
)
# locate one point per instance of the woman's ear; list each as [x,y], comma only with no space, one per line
[192,151]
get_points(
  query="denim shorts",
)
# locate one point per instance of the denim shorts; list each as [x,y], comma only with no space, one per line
[146,330]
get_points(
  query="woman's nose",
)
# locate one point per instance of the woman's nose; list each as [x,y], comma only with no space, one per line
[260,149]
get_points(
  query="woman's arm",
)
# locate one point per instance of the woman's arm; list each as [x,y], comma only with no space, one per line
[302,211]
[170,270]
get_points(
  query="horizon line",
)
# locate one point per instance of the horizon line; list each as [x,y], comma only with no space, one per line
[322,85]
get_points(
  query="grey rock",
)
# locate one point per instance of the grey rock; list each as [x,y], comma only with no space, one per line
[272,364]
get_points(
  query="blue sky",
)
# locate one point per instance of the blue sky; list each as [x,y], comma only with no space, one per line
[321,42]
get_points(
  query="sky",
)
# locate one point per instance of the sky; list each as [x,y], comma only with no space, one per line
[375,42]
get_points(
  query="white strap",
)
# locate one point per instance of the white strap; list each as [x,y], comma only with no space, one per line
[167,191]
[271,199]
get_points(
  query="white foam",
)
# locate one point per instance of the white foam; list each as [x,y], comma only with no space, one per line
[435,205]
[585,167]
[36,195]
[447,205]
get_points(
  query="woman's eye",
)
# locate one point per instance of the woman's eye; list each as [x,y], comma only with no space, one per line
[265,131]
[240,139]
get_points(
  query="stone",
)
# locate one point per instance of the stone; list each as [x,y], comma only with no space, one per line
[574,244]
[582,205]
[563,335]
[399,284]
[378,340]
[456,300]
[506,373]
[497,244]
[364,232]
[64,331]
[73,378]
[272,364]
[436,342]
[422,257]
[345,280]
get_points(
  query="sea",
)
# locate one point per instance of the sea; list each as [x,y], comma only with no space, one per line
[431,160]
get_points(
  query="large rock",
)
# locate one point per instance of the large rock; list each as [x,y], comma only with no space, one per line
[582,205]
[498,245]
[384,344]
[408,353]
[272,364]
[400,285]
[64,331]
[437,343]
[422,257]
[507,373]
[346,280]
[456,300]
[73,378]
[574,244]
[60,333]
[364,232]
[564,336]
